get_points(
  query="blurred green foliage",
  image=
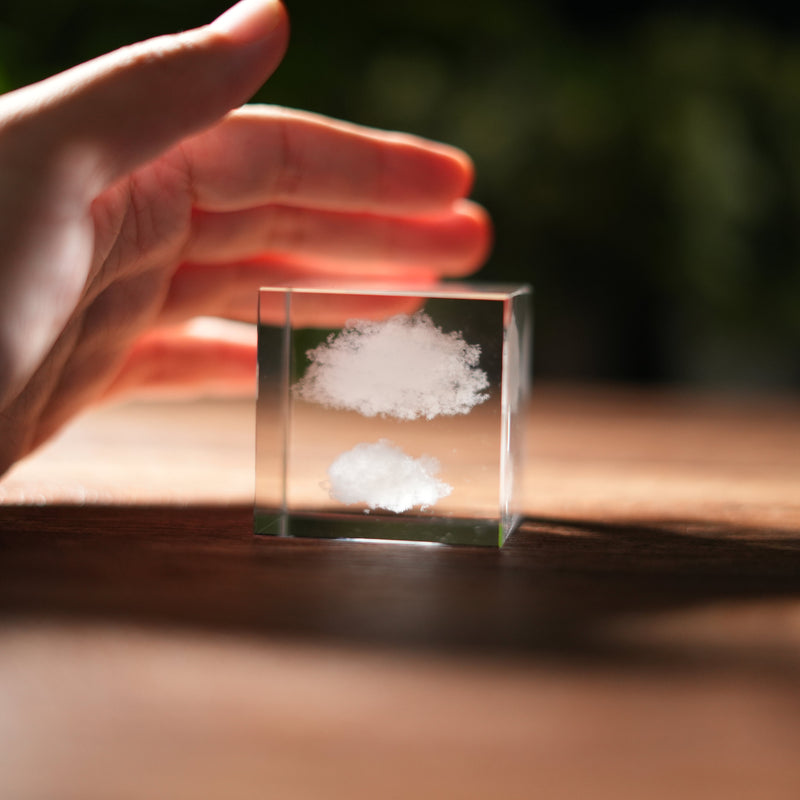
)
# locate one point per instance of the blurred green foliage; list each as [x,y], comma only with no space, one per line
[644,177]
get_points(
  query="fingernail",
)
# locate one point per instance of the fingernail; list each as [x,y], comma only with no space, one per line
[250,20]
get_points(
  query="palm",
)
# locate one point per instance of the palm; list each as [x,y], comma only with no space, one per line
[126,263]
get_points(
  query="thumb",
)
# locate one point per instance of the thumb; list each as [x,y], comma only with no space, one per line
[127,107]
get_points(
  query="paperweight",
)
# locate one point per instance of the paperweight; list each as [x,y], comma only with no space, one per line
[392,414]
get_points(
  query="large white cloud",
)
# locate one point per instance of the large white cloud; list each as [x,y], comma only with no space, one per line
[404,367]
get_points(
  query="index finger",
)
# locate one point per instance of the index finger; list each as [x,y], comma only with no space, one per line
[265,154]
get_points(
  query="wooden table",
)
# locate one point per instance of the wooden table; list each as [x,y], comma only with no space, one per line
[639,637]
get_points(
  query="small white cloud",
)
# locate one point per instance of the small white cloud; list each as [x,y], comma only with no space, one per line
[381,475]
[404,367]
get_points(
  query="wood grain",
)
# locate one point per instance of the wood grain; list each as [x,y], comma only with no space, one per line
[638,637]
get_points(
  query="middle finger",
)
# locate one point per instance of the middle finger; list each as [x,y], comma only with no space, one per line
[453,243]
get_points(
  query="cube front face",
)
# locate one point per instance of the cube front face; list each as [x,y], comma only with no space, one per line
[392,415]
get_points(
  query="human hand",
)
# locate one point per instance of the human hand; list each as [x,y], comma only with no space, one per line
[131,202]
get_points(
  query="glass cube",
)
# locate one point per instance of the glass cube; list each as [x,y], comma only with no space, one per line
[392,414]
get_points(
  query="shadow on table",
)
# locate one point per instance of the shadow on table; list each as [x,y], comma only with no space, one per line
[559,590]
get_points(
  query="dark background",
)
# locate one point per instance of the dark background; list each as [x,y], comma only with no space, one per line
[641,160]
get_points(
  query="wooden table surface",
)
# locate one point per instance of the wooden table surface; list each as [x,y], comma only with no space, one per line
[638,637]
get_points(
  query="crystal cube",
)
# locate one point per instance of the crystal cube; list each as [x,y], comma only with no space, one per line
[392,414]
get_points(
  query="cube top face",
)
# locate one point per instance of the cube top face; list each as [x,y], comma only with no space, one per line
[392,414]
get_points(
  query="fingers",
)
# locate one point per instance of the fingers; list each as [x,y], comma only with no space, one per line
[202,357]
[124,108]
[452,243]
[337,198]
[265,155]
[231,291]
[232,254]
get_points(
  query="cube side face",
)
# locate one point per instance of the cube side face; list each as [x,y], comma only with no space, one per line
[516,393]
[387,416]
[272,409]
